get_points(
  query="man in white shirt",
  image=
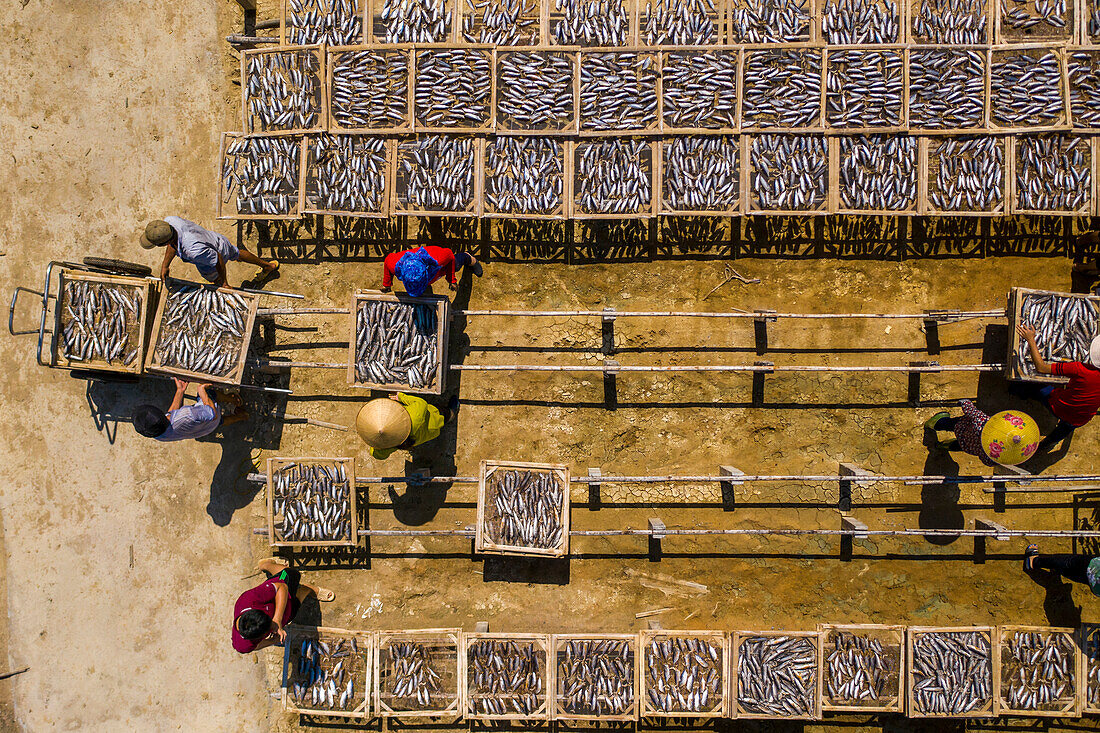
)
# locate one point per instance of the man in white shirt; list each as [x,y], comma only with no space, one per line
[182,423]
[206,250]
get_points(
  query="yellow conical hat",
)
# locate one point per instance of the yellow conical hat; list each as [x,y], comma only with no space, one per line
[1010,437]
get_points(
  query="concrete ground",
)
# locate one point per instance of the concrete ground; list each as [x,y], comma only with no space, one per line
[123,556]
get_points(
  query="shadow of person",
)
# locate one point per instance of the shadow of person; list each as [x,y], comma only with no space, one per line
[1058,603]
[1045,458]
[939,502]
[229,488]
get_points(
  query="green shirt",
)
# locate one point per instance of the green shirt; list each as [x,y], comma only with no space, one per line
[426,423]
[1092,572]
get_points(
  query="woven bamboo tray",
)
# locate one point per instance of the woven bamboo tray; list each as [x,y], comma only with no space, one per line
[892,639]
[274,465]
[482,541]
[443,646]
[539,644]
[559,645]
[717,706]
[736,709]
[292,674]
[443,330]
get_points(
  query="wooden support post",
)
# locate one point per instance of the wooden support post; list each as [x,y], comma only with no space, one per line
[913,392]
[980,542]
[594,489]
[656,527]
[247,5]
[729,496]
[481,627]
[932,332]
[849,522]
[758,382]
[610,392]
[654,624]
[760,329]
[847,472]
[607,329]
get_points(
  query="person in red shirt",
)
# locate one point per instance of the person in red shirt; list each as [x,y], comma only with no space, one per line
[418,269]
[261,613]
[1076,403]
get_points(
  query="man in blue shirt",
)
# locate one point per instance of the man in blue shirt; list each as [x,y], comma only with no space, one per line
[206,250]
[181,423]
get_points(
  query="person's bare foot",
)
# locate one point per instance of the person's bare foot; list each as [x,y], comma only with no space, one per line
[271,267]
[275,560]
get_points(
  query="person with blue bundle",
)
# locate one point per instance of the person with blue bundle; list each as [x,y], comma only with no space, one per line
[418,269]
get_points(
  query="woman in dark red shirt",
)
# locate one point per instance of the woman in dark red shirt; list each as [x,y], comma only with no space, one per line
[261,613]
[1076,403]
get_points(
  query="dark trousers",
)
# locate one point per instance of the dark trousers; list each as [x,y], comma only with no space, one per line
[462,259]
[947,423]
[1070,567]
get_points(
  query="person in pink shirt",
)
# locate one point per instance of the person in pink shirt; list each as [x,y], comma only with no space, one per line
[261,613]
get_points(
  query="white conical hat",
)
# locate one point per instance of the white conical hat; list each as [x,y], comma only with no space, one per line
[383,423]
[1094,352]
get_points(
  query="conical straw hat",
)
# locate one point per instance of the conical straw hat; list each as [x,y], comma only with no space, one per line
[383,423]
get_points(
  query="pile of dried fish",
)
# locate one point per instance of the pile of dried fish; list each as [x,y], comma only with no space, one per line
[98,321]
[370,89]
[777,676]
[589,23]
[1064,328]
[782,88]
[346,173]
[769,21]
[596,677]
[678,22]
[505,677]
[878,172]
[952,672]
[396,343]
[789,172]
[1084,87]
[283,91]
[1053,172]
[966,174]
[412,21]
[328,675]
[955,22]
[865,89]
[1020,18]
[702,173]
[436,173]
[1093,27]
[859,670]
[202,330]
[946,88]
[263,171]
[535,90]
[1091,651]
[853,22]
[501,22]
[331,22]
[1039,671]
[613,176]
[684,675]
[524,175]
[523,508]
[618,91]
[311,502]
[412,675]
[1026,88]
[699,89]
[454,87]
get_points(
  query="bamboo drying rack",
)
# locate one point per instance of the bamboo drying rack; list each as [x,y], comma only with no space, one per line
[399,204]
[737,638]
[285,12]
[1087,635]
[422,52]
[983,127]
[322,91]
[504,124]
[739,59]
[383,210]
[465,12]
[274,465]
[652,127]
[1015,311]
[836,199]
[749,126]
[813,31]
[664,208]
[647,212]
[912,8]
[386,50]
[558,644]
[715,639]
[366,642]
[442,333]
[447,640]
[929,152]
[1071,706]
[893,642]
[1059,52]
[551,17]
[484,545]
[221,197]
[902,53]
[375,27]
[560,212]
[987,710]
[747,177]
[539,642]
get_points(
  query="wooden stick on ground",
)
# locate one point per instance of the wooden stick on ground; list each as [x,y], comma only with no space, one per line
[12,674]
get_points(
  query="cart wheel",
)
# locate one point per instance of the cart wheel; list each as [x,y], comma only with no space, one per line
[114,377]
[118,267]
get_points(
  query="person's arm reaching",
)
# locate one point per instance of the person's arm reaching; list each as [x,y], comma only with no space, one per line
[177,401]
[282,597]
[387,274]
[204,396]
[265,643]
[169,255]
[1028,333]
[222,278]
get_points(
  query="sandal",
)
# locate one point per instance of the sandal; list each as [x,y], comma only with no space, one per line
[930,423]
[1030,554]
[324,594]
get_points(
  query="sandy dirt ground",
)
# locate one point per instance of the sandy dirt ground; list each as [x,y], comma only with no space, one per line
[123,556]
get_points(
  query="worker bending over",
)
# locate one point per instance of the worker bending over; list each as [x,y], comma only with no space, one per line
[261,613]
[418,269]
[206,250]
[1074,404]
[193,421]
[401,422]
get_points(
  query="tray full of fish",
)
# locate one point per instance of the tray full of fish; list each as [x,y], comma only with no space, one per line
[699,90]
[283,90]
[1053,175]
[526,178]
[947,88]
[788,173]
[326,22]
[398,342]
[453,89]
[346,175]
[613,178]
[101,321]
[438,175]
[202,333]
[1027,88]
[679,22]
[864,668]
[865,89]
[861,22]
[1083,68]
[328,671]
[965,176]
[950,672]
[536,90]
[419,673]
[771,21]
[410,21]
[1089,673]
[877,174]
[595,677]
[700,174]
[1038,671]
[500,22]
[949,22]
[618,92]
[507,676]
[522,509]
[1023,20]
[781,88]
[260,177]
[684,674]
[1064,323]
[776,674]
[311,502]
[370,89]
[590,22]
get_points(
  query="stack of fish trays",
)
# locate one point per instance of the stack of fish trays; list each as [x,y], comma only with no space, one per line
[589,23]
[864,668]
[411,21]
[438,175]
[619,92]
[595,677]
[684,674]
[418,674]
[453,88]
[949,22]
[326,22]
[536,91]
[347,175]
[328,672]
[614,178]
[773,21]
[1065,325]
[439,306]
[681,22]
[330,513]
[259,177]
[775,675]
[948,89]
[500,22]
[964,176]
[1088,689]
[527,177]
[370,89]
[89,303]
[875,174]
[1028,88]
[1039,672]
[700,175]
[537,519]
[950,672]
[699,90]
[192,320]
[1083,70]
[1035,20]
[866,89]
[283,90]
[1054,174]
[507,676]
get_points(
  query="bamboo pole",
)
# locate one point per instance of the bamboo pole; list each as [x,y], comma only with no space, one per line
[992,313]
[646,532]
[300,311]
[722,368]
